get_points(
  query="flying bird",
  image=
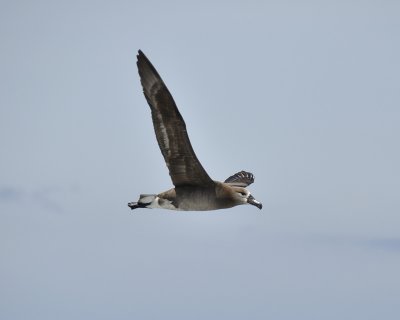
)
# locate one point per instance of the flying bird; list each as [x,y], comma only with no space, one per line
[194,189]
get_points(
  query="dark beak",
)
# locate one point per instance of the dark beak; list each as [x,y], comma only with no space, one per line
[254,202]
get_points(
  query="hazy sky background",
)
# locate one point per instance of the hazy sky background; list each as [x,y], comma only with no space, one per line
[306,95]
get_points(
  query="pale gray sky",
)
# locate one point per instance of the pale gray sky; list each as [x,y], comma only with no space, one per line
[304,94]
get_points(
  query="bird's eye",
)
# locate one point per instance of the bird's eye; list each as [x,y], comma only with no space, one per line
[242,193]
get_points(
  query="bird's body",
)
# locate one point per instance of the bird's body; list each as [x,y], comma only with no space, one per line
[194,189]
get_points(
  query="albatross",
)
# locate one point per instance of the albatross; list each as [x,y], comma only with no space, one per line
[194,189]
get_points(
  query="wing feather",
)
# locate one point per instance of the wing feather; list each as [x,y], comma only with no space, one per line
[241,179]
[170,128]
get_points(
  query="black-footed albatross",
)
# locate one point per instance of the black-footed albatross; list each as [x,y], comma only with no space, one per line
[194,189]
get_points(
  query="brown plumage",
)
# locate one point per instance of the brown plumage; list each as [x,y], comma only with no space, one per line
[194,189]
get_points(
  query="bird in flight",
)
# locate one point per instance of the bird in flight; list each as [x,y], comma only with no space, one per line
[194,189]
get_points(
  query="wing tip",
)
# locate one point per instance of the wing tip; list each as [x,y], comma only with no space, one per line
[140,54]
[243,176]
[145,67]
[141,57]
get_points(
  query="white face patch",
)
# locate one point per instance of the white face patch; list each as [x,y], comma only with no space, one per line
[242,195]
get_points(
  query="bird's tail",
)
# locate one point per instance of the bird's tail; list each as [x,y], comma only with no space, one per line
[144,201]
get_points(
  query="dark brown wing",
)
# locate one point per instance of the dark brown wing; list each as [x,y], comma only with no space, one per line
[183,165]
[241,179]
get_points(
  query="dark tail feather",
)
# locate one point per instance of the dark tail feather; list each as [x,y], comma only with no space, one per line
[144,201]
[135,205]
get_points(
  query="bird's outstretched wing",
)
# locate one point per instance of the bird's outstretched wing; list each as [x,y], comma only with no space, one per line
[241,179]
[169,126]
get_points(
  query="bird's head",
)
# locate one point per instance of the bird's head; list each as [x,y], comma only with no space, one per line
[243,196]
